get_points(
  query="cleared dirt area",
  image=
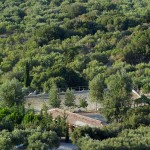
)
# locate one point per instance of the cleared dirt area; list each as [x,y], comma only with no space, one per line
[37,101]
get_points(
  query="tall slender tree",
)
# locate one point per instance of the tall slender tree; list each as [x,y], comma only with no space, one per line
[96,87]
[27,75]
[54,99]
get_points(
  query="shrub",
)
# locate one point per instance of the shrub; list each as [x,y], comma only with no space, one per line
[43,140]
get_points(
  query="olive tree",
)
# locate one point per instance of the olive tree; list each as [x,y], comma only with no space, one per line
[5,140]
[11,92]
[96,87]
[117,97]
[43,140]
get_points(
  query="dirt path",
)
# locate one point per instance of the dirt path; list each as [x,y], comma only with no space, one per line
[67,146]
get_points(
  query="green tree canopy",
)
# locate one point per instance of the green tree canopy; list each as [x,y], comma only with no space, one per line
[69,98]
[116,97]
[54,99]
[82,102]
[96,87]
[11,92]
[5,140]
[43,141]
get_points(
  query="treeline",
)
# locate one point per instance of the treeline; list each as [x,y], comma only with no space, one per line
[127,139]
[101,44]
[24,126]
[33,131]
[130,132]
[30,139]
[69,42]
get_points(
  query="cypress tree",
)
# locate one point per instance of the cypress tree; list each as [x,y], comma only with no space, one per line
[27,75]
[54,99]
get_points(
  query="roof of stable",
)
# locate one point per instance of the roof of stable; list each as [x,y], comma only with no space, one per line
[76,119]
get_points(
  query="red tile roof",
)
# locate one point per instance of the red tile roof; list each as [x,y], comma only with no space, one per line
[76,119]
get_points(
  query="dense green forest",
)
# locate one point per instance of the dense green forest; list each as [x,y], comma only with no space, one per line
[69,42]
[46,45]
[127,139]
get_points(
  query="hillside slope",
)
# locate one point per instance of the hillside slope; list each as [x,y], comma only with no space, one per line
[69,42]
